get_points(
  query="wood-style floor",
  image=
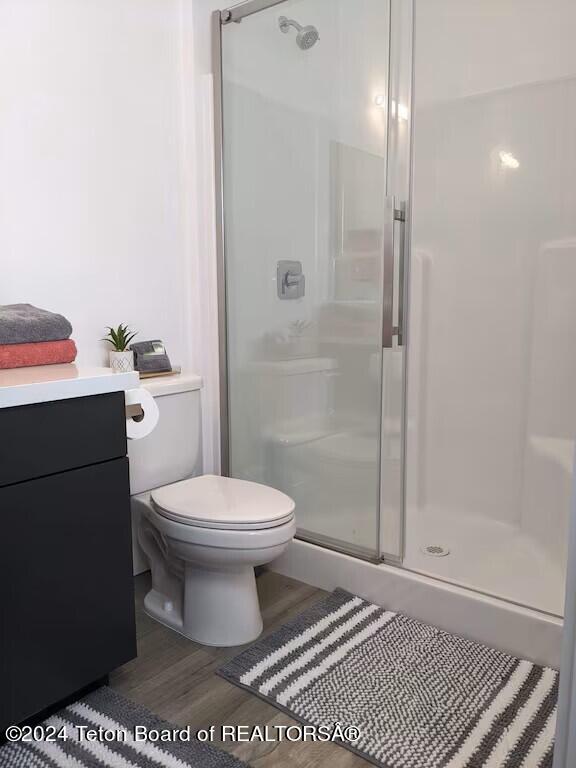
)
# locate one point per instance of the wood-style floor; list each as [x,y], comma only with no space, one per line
[175,678]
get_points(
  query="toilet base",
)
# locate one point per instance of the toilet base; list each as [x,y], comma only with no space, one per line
[157,607]
[221,607]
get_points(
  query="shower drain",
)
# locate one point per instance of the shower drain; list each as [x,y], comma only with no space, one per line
[435,550]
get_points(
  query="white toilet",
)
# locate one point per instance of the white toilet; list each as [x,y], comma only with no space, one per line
[203,535]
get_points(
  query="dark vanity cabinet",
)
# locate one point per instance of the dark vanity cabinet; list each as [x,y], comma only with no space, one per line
[66,588]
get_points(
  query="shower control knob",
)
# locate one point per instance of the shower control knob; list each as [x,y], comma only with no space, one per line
[291,282]
[291,279]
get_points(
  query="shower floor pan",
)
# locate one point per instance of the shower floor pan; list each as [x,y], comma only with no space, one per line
[488,556]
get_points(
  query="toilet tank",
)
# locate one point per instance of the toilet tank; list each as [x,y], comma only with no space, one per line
[173,451]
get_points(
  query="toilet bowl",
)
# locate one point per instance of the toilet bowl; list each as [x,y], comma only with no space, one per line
[203,537]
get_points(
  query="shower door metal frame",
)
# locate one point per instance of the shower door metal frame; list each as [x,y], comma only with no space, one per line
[238,12]
[220,240]
[222,18]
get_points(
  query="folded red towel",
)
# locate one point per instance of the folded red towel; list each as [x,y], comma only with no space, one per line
[37,353]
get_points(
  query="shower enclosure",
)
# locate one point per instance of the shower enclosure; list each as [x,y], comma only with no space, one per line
[398,278]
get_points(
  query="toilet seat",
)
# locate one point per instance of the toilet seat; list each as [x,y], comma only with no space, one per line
[223,503]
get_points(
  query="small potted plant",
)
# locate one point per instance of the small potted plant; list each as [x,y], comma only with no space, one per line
[121,358]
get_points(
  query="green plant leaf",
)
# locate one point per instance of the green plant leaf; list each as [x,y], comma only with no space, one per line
[119,337]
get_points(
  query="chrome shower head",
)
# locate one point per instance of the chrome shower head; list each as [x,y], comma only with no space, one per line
[307,36]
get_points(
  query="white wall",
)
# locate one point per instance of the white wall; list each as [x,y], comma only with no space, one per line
[106,190]
[93,188]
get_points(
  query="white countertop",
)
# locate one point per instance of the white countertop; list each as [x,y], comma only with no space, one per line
[158,386]
[44,383]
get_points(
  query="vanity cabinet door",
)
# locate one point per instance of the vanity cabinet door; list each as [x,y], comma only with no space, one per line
[45,438]
[66,607]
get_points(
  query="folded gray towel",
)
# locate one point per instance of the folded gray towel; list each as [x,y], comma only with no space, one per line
[23,323]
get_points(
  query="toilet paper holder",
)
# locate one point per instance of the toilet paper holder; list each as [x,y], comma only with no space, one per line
[141,412]
[134,411]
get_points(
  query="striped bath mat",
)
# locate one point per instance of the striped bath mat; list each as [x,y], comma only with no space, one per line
[66,743]
[419,697]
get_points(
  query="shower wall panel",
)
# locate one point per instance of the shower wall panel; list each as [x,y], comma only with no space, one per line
[492,360]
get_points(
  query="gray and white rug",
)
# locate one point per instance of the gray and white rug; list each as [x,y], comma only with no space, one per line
[111,712]
[419,697]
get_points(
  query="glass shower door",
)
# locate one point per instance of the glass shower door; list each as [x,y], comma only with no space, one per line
[305,128]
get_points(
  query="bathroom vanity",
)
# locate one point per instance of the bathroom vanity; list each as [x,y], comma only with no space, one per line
[66,588]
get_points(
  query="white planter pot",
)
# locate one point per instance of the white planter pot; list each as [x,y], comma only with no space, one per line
[122,362]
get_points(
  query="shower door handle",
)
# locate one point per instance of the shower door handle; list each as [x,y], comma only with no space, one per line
[395,213]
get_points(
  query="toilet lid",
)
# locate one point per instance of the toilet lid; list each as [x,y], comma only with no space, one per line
[223,502]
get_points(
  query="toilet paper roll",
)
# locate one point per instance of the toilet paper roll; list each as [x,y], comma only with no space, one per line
[135,430]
